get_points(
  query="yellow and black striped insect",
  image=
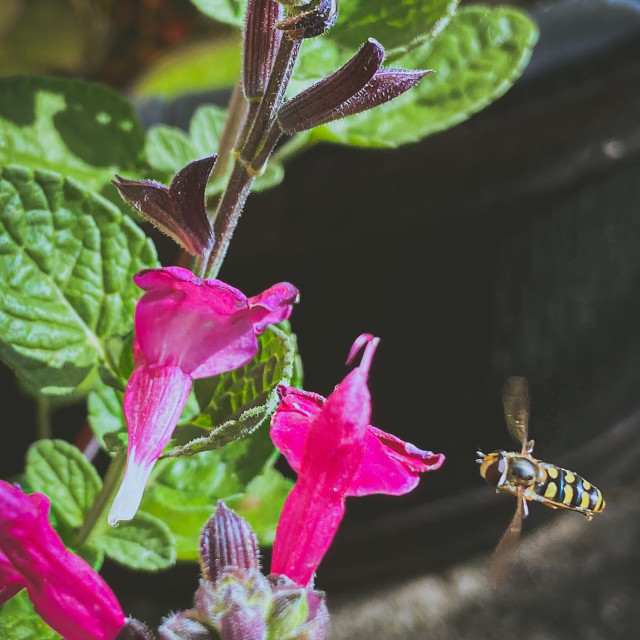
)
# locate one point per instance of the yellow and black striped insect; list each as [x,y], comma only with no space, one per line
[529,479]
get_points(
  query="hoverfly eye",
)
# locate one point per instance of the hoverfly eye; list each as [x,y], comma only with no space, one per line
[494,472]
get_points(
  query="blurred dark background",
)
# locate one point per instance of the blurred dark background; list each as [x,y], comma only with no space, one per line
[507,245]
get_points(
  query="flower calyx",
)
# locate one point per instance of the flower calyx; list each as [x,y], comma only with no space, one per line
[359,85]
[178,210]
[235,601]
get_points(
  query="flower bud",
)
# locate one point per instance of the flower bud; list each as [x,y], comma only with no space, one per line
[261,41]
[312,21]
[357,86]
[227,541]
[178,210]
[289,613]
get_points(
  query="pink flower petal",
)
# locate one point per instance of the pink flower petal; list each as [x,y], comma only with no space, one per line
[273,305]
[66,592]
[153,401]
[389,465]
[331,457]
[11,581]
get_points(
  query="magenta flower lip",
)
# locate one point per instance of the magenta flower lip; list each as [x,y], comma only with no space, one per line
[66,592]
[336,453]
[185,328]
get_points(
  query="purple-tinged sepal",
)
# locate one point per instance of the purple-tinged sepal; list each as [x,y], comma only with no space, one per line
[357,86]
[312,20]
[261,42]
[227,541]
[183,626]
[177,210]
[134,630]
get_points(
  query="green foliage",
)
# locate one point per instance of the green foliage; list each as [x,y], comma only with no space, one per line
[400,24]
[145,543]
[228,11]
[477,58]
[168,149]
[67,257]
[238,402]
[18,621]
[190,69]
[59,470]
[81,130]
[185,491]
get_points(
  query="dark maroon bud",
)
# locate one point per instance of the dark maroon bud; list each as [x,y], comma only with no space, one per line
[227,541]
[134,630]
[261,41]
[312,21]
[357,86]
[178,210]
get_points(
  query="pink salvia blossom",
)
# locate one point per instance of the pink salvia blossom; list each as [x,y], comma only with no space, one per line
[66,592]
[185,328]
[336,453]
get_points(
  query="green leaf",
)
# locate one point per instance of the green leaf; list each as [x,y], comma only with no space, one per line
[145,543]
[262,503]
[59,470]
[236,403]
[189,70]
[185,491]
[105,412]
[67,258]
[396,25]
[228,11]
[18,621]
[81,130]
[168,149]
[476,58]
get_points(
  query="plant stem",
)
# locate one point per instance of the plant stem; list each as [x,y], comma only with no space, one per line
[104,499]
[237,110]
[256,140]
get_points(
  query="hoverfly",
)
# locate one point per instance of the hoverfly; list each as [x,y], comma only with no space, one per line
[529,479]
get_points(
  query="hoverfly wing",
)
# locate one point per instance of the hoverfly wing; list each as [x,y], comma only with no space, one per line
[501,562]
[515,400]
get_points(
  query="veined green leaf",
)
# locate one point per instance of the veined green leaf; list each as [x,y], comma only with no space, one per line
[67,258]
[79,129]
[236,403]
[59,470]
[145,543]
[396,25]
[477,58]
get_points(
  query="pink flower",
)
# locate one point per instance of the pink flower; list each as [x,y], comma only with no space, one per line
[336,453]
[185,328]
[66,592]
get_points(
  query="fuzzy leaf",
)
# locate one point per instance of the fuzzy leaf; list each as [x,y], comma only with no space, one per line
[105,412]
[59,470]
[18,621]
[67,257]
[476,58]
[397,25]
[168,149]
[145,543]
[227,11]
[79,129]
[236,403]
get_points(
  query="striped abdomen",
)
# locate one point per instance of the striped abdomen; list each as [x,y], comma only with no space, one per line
[567,490]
